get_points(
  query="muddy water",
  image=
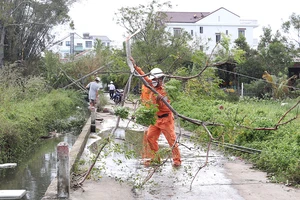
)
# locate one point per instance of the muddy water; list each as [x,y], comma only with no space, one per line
[167,182]
[36,171]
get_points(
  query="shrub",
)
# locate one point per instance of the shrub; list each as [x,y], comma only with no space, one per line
[257,89]
[23,122]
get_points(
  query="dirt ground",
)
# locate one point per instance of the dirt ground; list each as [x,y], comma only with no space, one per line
[224,179]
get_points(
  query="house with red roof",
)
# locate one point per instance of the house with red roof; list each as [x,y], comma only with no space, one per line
[207,27]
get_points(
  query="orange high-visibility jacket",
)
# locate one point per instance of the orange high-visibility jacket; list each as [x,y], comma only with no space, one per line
[162,108]
[146,94]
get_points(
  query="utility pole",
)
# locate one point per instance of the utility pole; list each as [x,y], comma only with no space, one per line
[71,46]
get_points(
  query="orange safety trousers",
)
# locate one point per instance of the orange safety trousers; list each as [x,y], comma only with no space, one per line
[163,125]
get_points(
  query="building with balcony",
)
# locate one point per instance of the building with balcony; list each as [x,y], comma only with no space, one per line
[207,27]
[74,44]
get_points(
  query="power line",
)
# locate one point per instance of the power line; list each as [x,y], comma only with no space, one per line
[250,77]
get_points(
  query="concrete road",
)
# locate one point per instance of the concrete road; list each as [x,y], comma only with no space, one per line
[223,179]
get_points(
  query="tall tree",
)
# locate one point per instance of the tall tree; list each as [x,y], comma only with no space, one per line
[292,27]
[252,67]
[275,51]
[241,43]
[25,26]
[154,45]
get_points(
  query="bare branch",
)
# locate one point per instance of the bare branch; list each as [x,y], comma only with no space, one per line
[24,2]
[25,24]
[91,167]
[289,110]
[279,122]
[204,165]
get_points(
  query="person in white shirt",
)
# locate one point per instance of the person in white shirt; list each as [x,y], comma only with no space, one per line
[93,92]
[111,88]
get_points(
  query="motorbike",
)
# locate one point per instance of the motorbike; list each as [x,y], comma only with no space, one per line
[117,98]
[136,90]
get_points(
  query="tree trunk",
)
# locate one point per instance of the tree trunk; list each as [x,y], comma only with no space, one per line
[2,35]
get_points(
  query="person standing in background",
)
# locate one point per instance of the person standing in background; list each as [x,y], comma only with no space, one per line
[111,88]
[93,88]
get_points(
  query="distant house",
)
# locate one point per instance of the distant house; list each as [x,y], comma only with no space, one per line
[209,26]
[77,45]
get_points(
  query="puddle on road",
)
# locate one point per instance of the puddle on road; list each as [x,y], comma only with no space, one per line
[121,160]
[130,141]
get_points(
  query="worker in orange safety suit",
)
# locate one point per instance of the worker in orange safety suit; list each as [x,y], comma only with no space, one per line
[145,95]
[165,120]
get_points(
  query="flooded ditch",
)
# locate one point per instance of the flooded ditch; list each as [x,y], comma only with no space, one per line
[35,172]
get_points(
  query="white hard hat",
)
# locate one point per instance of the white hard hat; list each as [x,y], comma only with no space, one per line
[97,79]
[111,82]
[156,73]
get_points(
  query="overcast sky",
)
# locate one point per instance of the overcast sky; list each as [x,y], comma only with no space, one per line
[96,16]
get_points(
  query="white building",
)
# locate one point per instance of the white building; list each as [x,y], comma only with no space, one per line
[207,27]
[77,45]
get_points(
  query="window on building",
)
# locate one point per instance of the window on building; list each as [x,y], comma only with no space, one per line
[88,44]
[79,44]
[60,44]
[68,43]
[218,37]
[177,31]
[201,29]
[226,32]
[105,44]
[192,32]
[241,32]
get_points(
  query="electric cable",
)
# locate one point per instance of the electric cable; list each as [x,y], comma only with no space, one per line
[250,77]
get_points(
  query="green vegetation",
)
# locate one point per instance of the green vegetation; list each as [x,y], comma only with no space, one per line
[280,155]
[33,111]
[146,115]
[122,112]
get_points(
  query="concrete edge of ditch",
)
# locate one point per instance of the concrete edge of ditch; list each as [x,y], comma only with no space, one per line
[75,154]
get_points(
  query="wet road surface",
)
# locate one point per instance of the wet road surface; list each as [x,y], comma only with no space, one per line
[118,177]
[167,182]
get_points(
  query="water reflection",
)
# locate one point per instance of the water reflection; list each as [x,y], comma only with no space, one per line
[36,171]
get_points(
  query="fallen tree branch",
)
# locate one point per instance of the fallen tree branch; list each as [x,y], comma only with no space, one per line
[204,165]
[106,141]
[93,72]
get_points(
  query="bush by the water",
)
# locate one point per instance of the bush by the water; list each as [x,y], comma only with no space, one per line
[31,112]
